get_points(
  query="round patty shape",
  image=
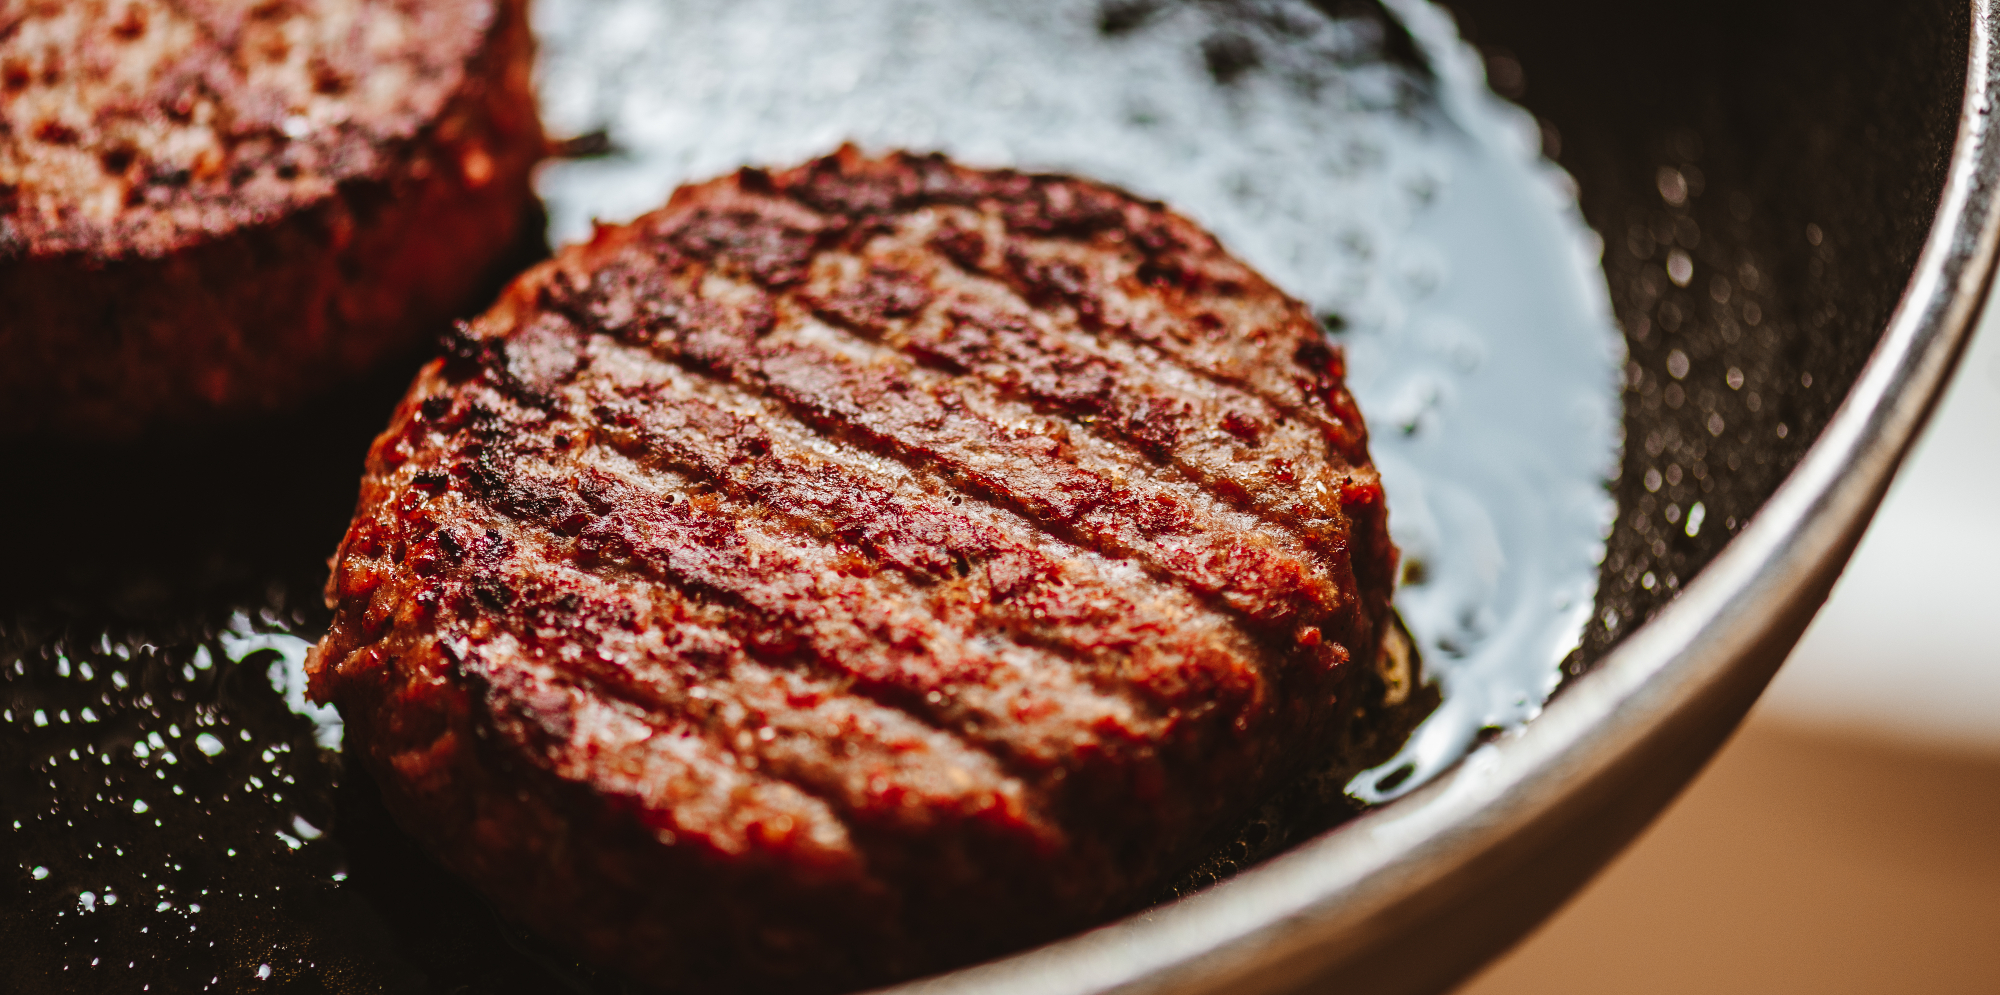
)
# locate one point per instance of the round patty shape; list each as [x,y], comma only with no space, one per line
[211,207]
[851,572]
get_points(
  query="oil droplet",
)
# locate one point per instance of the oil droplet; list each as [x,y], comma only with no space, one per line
[1680,267]
[1696,515]
[1673,186]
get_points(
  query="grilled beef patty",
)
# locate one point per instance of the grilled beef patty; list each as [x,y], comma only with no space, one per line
[855,571]
[212,207]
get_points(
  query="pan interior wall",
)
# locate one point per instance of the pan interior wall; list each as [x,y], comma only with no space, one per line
[1764,176]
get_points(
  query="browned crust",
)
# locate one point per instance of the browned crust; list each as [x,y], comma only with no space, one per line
[855,571]
[293,267]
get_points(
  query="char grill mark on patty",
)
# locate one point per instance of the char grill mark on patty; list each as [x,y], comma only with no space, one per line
[1004,579]
[1194,422]
[671,420]
[893,406]
[1180,280]
[656,651]
[844,531]
[1156,303]
[796,601]
[680,783]
[1210,425]
[1000,716]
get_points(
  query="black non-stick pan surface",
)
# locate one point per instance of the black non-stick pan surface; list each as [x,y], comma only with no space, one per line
[1803,142]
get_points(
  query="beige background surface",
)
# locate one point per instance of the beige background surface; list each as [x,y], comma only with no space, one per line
[1802,861]
[1848,838]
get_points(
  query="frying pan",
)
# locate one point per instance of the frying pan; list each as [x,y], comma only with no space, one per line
[1841,149]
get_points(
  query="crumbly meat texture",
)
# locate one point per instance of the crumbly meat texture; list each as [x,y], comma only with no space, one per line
[210,207]
[852,572]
